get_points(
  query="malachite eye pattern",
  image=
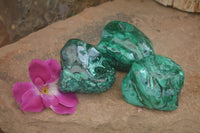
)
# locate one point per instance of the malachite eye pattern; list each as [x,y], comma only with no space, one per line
[154,82]
[84,69]
[122,43]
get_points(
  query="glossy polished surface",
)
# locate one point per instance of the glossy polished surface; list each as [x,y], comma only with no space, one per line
[122,44]
[154,82]
[84,69]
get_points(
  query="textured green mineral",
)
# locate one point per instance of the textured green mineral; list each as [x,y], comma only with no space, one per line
[154,82]
[84,69]
[122,44]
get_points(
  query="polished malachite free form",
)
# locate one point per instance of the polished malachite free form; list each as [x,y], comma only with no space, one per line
[122,43]
[84,69]
[153,82]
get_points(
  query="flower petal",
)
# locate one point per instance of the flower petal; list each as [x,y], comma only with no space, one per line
[50,100]
[20,88]
[55,68]
[61,109]
[39,83]
[39,69]
[67,99]
[31,101]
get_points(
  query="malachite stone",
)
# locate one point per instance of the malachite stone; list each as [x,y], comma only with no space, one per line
[84,69]
[154,82]
[122,44]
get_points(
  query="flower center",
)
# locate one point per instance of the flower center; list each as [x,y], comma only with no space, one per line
[45,90]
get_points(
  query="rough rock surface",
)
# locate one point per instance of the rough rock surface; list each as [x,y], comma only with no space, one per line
[184,5]
[173,33]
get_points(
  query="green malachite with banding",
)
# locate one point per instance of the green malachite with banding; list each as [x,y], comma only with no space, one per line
[122,43]
[84,69]
[154,82]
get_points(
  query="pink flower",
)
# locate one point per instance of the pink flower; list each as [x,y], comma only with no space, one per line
[44,92]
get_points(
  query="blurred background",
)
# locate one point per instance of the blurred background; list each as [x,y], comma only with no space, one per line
[19,18]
